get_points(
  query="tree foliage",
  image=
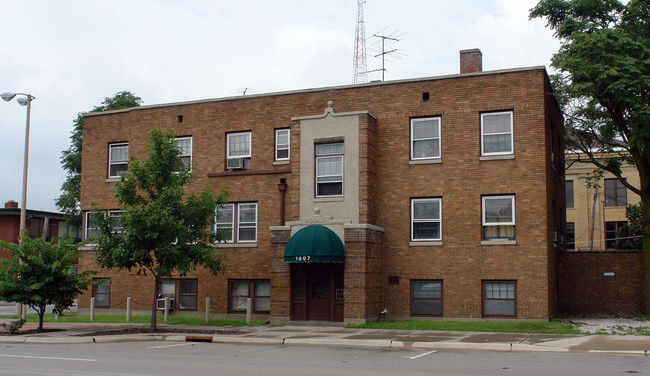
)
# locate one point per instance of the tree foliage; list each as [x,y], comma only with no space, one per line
[629,236]
[68,201]
[166,230]
[604,87]
[39,274]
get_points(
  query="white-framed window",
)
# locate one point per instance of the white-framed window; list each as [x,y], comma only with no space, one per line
[282,144]
[329,169]
[238,145]
[118,159]
[185,144]
[425,138]
[93,228]
[238,221]
[498,216]
[496,133]
[116,221]
[426,219]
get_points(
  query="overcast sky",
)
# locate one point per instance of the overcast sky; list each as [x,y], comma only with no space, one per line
[72,54]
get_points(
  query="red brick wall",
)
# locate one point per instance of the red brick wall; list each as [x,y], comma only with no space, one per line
[583,288]
[388,178]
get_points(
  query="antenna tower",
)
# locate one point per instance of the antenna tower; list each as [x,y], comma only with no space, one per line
[360,64]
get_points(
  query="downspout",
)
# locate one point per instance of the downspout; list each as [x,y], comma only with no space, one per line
[282,187]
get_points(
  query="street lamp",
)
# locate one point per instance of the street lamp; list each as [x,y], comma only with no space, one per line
[23,100]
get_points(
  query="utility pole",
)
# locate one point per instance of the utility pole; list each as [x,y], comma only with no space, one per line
[593,219]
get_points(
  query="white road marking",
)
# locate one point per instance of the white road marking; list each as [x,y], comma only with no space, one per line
[165,346]
[48,358]
[421,355]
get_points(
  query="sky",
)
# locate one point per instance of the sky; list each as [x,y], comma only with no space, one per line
[71,55]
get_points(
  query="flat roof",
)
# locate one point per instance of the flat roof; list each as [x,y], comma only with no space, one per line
[349,86]
[34,213]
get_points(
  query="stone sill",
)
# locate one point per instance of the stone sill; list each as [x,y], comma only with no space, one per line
[426,244]
[425,161]
[236,245]
[496,157]
[499,242]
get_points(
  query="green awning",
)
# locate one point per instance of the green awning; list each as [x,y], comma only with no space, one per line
[314,243]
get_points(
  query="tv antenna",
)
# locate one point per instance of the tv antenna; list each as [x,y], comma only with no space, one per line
[386,39]
[244,91]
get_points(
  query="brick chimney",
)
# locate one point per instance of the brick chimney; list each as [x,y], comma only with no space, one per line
[11,204]
[471,61]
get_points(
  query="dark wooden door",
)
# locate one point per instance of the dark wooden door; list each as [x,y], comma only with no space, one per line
[319,287]
[317,292]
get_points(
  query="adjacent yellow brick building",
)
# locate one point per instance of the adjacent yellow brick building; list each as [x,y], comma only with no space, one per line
[595,209]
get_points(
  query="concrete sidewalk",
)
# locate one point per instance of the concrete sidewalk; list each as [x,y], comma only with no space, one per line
[343,337]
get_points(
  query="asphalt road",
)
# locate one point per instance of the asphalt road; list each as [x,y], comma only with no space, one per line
[196,359]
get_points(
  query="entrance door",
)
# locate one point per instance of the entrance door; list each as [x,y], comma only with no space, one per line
[317,292]
[320,292]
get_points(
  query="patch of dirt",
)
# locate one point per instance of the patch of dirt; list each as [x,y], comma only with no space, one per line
[27,331]
[136,330]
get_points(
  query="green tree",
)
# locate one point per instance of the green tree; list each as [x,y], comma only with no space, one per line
[629,236]
[68,201]
[39,274]
[605,87]
[166,231]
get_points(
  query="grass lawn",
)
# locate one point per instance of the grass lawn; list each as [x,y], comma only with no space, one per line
[137,319]
[548,327]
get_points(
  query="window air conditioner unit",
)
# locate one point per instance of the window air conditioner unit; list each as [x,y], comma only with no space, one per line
[236,163]
[554,236]
[160,304]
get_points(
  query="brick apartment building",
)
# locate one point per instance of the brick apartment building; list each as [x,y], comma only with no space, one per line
[428,197]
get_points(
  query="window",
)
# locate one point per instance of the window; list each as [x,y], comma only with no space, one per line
[496,133]
[568,187]
[615,193]
[329,169]
[185,144]
[102,293]
[238,221]
[182,291]
[118,158]
[426,219]
[426,298]
[239,145]
[498,217]
[425,138]
[282,144]
[570,235]
[116,221]
[258,290]
[92,228]
[610,233]
[499,298]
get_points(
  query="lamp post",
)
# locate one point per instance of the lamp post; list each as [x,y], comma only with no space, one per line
[23,100]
